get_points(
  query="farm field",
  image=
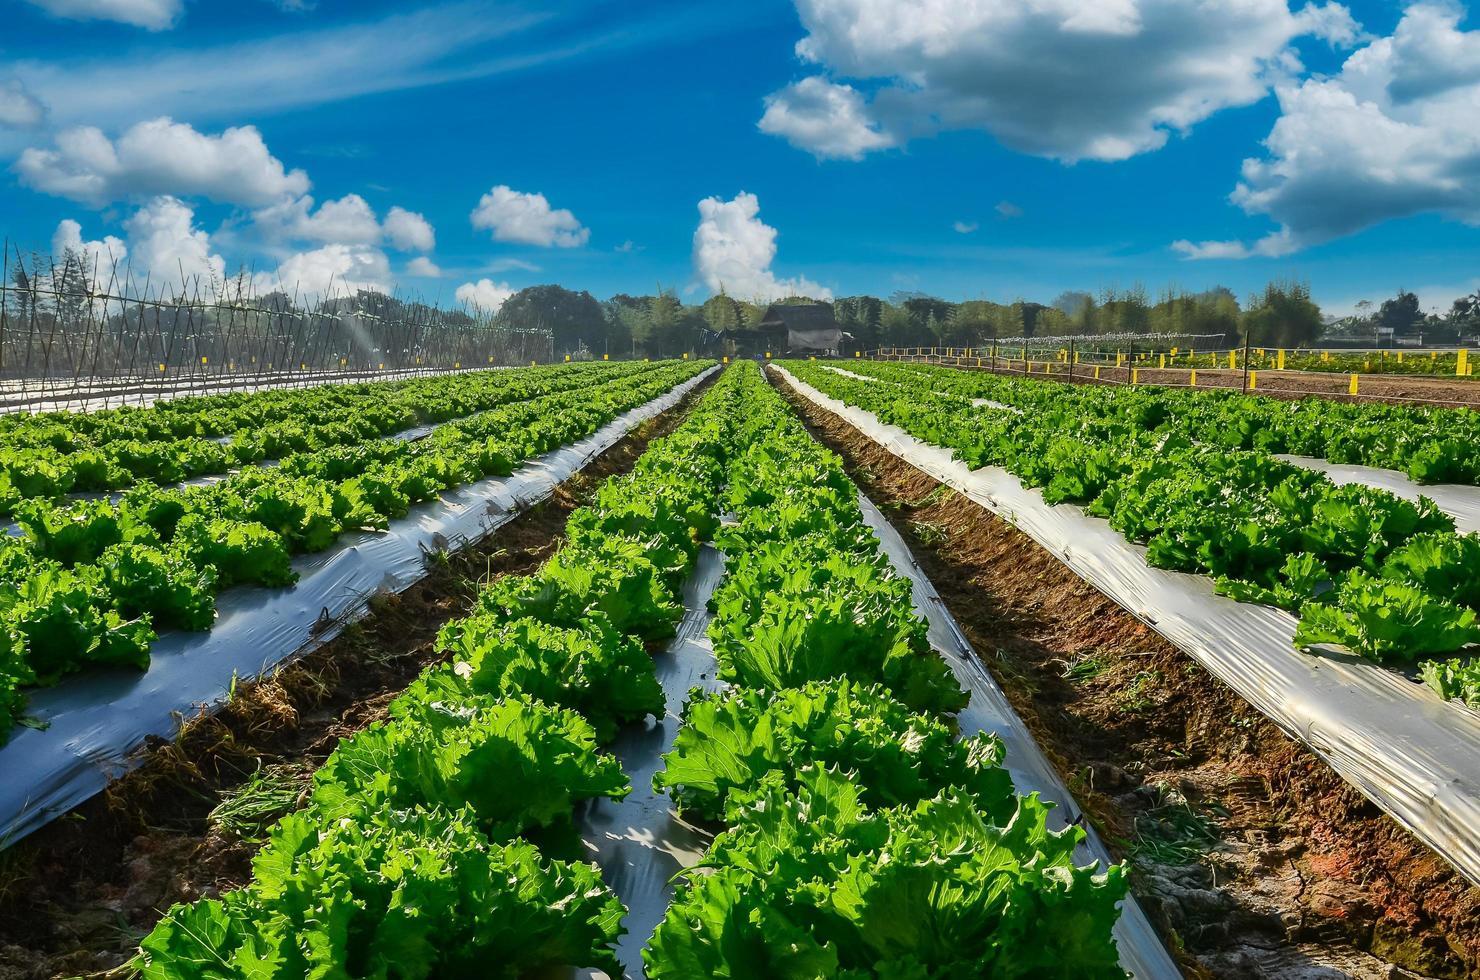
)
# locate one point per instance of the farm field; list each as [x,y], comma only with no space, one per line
[548,667]
[725,616]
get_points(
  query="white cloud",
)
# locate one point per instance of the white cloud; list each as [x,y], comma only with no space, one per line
[734,249]
[19,109]
[1057,78]
[965,227]
[1271,246]
[336,269]
[170,251]
[1006,209]
[514,216]
[104,259]
[423,266]
[157,157]
[155,15]
[485,295]
[224,76]
[1392,135]
[349,220]
[409,231]
[826,119]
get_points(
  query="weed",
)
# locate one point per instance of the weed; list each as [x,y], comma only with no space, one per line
[929,534]
[1175,831]
[1086,666]
[1137,697]
[249,810]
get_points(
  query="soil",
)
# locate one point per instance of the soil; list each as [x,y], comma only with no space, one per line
[76,896]
[1250,855]
[1395,389]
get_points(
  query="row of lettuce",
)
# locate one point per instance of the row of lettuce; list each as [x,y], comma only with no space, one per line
[861,838]
[1386,578]
[89,582]
[1429,444]
[48,455]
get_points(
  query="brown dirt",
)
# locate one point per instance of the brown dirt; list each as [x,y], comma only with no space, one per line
[77,895]
[1391,389]
[1299,877]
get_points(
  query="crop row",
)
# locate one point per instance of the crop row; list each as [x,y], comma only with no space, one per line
[864,840]
[49,455]
[88,582]
[1431,445]
[1385,578]
[434,841]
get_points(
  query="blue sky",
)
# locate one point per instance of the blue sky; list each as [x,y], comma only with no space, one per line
[990,151]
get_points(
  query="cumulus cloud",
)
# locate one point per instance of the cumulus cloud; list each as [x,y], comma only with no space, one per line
[1056,78]
[170,250]
[103,259]
[349,221]
[155,15]
[336,269]
[734,249]
[485,295]
[423,266]
[409,231]
[19,109]
[965,227]
[1006,209]
[824,118]
[157,157]
[514,216]
[1392,135]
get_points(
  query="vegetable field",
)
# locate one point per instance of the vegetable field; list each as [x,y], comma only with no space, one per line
[837,793]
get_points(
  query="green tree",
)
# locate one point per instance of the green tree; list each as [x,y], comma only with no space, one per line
[573,318]
[1401,314]
[722,314]
[1283,315]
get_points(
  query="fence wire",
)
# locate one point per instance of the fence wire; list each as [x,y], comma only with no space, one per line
[77,331]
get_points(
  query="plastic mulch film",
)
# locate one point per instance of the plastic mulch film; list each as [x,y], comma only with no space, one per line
[1458,501]
[90,726]
[640,843]
[1142,953]
[1413,754]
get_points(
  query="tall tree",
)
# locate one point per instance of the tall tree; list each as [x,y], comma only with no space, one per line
[1283,315]
[573,318]
[1401,314]
[722,314]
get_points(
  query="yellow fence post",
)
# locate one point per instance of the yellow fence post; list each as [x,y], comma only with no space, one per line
[1353,388]
[1135,376]
[1163,362]
[1097,372]
[1253,380]
[1462,362]
[1280,360]
[1232,360]
[1192,379]
[1119,359]
[1400,357]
